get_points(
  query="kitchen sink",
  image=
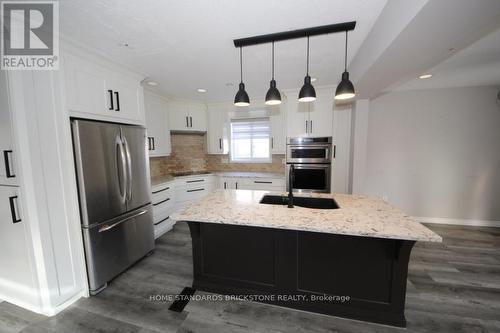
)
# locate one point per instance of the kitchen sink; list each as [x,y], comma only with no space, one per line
[306,202]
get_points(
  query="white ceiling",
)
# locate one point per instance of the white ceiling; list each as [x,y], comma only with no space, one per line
[476,65]
[185,45]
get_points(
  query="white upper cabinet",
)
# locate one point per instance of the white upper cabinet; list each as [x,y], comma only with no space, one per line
[96,92]
[156,109]
[297,117]
[217,138]
[310,119]
[187,116]
[278,129]
[7,163]
[198,117]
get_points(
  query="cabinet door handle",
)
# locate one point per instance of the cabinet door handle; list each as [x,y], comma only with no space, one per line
[272,143]
[334,150]
[191,120]
[311,127]
[163,189]
[306,127]
[220,144]
[195,181]
[236,185]
[261,182]
[13,211]
[8,171]
[163,201]
[117,94]
[196,190]
[187,121]
[225,185]
[111,107]
[154,144]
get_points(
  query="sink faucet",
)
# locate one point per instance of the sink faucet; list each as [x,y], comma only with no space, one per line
[290,186]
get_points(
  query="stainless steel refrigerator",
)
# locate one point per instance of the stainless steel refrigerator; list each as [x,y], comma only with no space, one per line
[114,192]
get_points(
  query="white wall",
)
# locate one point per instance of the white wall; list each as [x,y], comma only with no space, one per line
[436,153]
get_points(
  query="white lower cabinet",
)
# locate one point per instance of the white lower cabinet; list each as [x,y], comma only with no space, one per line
[246,183]
[192,188]
[163,201]
[16,278]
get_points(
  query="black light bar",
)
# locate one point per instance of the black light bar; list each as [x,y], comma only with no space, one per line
[293,34]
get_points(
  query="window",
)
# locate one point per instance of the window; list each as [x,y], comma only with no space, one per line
[250,140]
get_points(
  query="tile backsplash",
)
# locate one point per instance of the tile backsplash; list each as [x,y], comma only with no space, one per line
[189,154]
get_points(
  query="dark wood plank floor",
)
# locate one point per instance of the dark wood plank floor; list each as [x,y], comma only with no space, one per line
[452,287]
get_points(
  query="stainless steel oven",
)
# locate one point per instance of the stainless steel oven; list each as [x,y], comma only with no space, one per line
[310,177]
[312,161]
[309,150]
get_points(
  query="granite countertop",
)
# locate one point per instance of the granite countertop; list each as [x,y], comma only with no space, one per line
[248,174]
[357,215]
[162,179]
[170,177]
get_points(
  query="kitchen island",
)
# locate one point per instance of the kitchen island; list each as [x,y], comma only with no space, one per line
[350,262]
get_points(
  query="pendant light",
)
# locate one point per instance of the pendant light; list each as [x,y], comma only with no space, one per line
[241,98]
[273,96]
[307,92]
[345,89]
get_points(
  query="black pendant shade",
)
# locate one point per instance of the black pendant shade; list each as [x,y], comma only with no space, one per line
[307,92]
[273,96]
[241,98]
[345,89]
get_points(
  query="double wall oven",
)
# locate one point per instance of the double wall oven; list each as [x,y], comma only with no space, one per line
[312,161]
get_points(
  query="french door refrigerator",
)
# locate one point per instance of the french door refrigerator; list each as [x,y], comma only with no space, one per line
[115,204]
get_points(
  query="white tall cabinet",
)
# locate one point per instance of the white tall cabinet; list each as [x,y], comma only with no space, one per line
[156,110]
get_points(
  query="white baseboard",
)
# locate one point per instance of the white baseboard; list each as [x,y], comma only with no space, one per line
[53,311]
[464,222]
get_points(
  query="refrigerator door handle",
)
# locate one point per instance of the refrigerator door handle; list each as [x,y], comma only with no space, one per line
[120,161]
[129,169]
[111,226]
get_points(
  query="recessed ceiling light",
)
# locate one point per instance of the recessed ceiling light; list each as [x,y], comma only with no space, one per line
[201,90]
[425,76]
[152,83]
[229,84]
[313,79]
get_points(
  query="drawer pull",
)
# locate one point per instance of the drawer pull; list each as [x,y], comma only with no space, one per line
[166,218]
[13,210]
[8,171]
[195,181]
[164,189]
[262,182]
[196,190]
[159,203]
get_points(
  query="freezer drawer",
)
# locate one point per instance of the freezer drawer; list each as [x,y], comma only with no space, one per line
[111,247]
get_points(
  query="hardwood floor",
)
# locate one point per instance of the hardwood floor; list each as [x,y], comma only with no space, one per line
[452,287]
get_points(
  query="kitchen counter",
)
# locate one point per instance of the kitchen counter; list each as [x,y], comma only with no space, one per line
[357,215]
[161,179]
[236,174]
[248,174]
[302,258]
